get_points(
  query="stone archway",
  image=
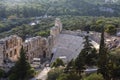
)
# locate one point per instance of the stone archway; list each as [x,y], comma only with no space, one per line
[10,53]
[44,54]
[52,55]
[15,52]
[7,55]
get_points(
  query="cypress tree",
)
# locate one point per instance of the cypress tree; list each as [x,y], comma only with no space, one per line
[103,58]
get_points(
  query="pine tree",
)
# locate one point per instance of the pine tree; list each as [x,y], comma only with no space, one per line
[22,66]
[91,58]
[80,63]
[70,67]
[86,56]
[57,63]
[89,52]
[22,69]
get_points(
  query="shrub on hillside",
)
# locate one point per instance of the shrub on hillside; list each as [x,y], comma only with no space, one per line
[70,76]
[54,74]
[2,73]
[94,77]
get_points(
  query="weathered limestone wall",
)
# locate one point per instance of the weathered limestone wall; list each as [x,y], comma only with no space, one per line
[56,30]
[10,48]
[1,52]
[40,47]
[36,47]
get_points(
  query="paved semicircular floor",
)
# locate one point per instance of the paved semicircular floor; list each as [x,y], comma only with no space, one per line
[67,46]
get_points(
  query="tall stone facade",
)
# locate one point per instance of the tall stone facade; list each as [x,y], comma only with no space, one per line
[35,47]
[56,30]
[10,49]
[40,47]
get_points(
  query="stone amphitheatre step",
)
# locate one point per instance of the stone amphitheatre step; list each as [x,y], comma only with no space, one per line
[67,45]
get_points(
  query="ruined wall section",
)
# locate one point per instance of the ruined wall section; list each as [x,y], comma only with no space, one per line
[55,31]
[75,33]
[36,47]
[40,47]
[1,52]
[10,48]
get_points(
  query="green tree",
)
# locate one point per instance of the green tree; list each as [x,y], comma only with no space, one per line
[91,58]
[2,73]
[86,56]
[22,69]
[23,32]
[69,76]
[80,64]
[116,73]
[111,29]
[53,74]
[57,63]
[103,58]
[90,52]
[114,66]
[94,77]
[70,67]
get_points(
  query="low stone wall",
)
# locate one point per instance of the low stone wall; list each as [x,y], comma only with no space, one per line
[75,33]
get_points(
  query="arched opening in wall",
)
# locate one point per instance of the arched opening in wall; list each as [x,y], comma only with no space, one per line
[6,45]
[44,54]
[7,55]
[15,52]
[10,53]
[52,55]
[27,48]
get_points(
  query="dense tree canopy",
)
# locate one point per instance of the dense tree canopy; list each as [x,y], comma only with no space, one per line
[15,26]
[30,8]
